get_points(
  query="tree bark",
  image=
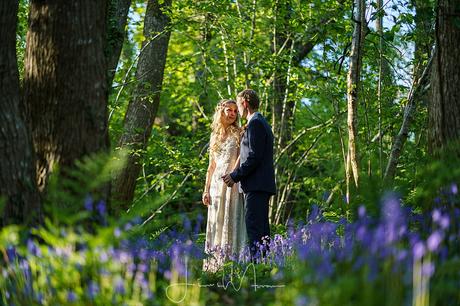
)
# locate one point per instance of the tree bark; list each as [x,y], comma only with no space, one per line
[17,171]
[444,109]
[353,80]
[65,84]
[117,15]
[143,107]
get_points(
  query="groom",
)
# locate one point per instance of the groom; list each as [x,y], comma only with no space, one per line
[255,173]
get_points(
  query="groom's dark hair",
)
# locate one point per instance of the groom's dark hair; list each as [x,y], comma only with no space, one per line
[251,97]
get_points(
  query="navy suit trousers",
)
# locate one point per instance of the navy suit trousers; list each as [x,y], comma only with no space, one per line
[257,224]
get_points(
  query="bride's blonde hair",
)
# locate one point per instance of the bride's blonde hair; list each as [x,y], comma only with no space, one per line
[218,131]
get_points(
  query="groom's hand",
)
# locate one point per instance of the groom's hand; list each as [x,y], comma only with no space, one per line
[228,180]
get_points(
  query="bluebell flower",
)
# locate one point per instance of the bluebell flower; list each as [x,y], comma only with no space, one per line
[119,286]
[93,289]
[428,269]
[186,223]
[117,232]
[39,297]
[128,226]
[142,267]
[434,241]
[453,188]
[303,252]
[325,268]
[315,213]
[199,222]
[436,215]
[301,300]
[11,253]
[141,280]
[444,222]
[88,203]
[131,267]
[418,250]
[401,255]
[71,297]
[33,248]
[362,211]
[101,208]
[103,256]
[167,274]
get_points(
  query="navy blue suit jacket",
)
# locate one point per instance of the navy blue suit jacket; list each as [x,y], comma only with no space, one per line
[256,172]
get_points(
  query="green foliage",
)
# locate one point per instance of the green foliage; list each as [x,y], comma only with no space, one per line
[216,49]
[21,32]
[68,190]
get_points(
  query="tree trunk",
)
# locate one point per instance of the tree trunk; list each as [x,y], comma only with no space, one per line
[117,15]
[353,79]
[201,75]
[282,106]
[400,139]
[423,42]
[444,109]
[143,107]
[65,82]
[384,73]
[17,171]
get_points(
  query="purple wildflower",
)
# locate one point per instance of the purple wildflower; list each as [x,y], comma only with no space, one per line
[142,267]
[93,290]
[301,300]
[362,211]
[434,241]
[120,286]
[444,222]
[33,248]
[11,253]
[427,269]
[117,232]
[186,223]
[418,250]
[436,215]
[101,208]
[89,203]
[71,297]
[128,226]
[167,274]
[454,188]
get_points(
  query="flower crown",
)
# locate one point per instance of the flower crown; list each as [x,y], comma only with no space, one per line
[223,103]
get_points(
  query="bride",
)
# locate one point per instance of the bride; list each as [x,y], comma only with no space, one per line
[225,230]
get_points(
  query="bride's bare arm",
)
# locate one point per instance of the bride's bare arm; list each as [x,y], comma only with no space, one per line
[237,164]
[205,197]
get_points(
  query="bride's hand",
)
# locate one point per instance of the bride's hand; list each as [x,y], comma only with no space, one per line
[205,198]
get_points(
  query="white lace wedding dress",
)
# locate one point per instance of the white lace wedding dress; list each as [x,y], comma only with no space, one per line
[226,230]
